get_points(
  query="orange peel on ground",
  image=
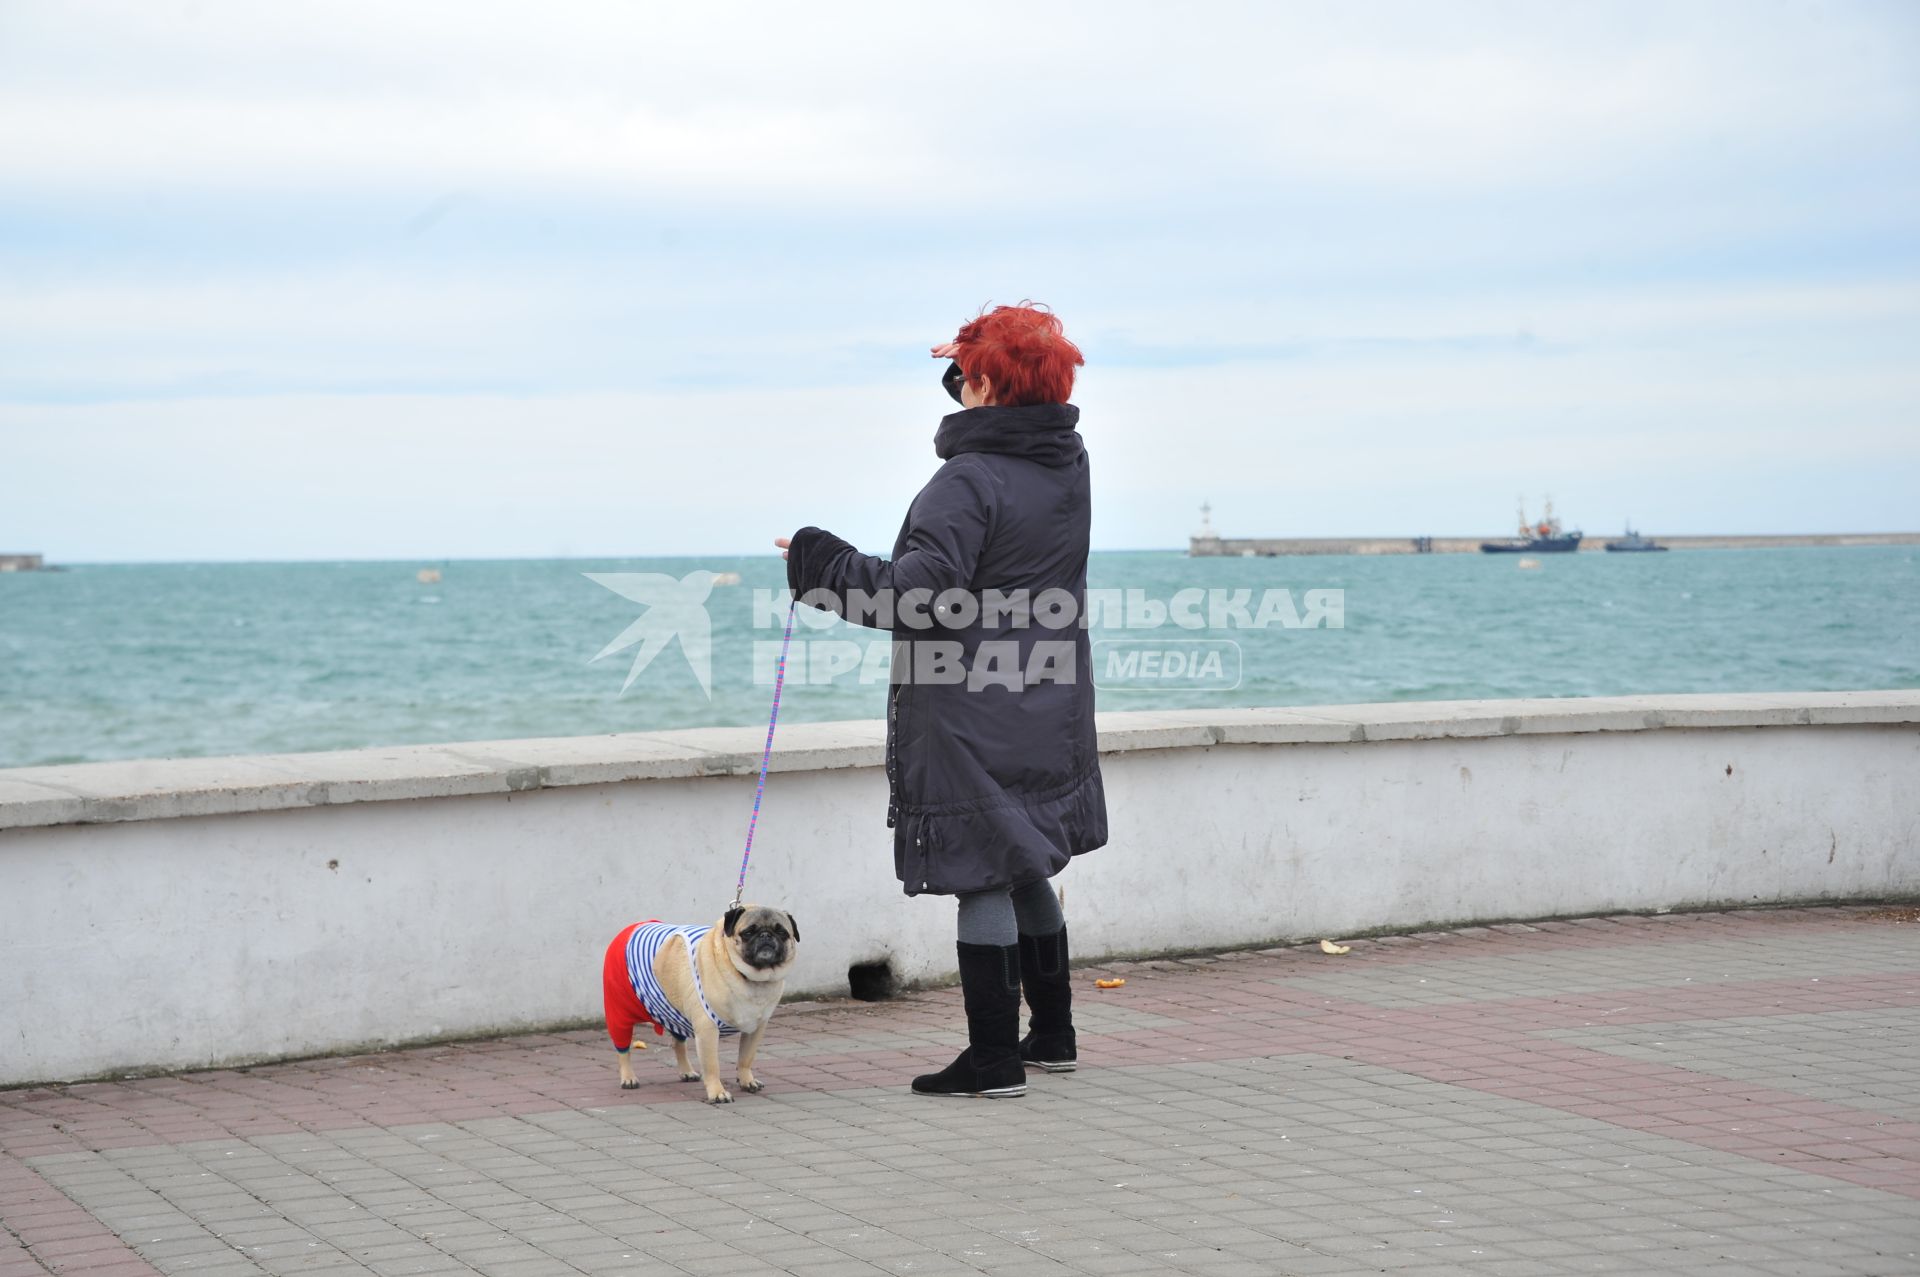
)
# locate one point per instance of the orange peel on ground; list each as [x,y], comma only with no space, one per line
[1109,984]
[1328,946]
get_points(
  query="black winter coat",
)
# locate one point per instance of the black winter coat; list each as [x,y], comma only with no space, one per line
[993,780]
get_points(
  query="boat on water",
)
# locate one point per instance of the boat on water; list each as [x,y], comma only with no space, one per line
[1544,537]
[1634,543]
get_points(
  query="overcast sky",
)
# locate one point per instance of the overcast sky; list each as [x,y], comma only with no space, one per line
[425,280]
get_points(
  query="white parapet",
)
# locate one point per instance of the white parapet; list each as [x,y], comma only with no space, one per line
[175,913]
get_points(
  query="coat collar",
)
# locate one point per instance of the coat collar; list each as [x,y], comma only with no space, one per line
[1038,432]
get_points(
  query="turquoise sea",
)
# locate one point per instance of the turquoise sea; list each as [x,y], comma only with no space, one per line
[151,660]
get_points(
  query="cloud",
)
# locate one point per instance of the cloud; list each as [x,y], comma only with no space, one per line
[866,103]
[634,325]
[503,279]
[467,475]
[85,142]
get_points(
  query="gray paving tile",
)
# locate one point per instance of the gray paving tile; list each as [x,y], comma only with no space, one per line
[1295,1162]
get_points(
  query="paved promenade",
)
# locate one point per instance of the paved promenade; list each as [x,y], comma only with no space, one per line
[1729,1094]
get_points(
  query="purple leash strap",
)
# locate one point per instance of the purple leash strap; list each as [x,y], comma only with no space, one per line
[779,681]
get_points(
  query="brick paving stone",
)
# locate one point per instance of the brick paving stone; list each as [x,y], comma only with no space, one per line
[1687,1094]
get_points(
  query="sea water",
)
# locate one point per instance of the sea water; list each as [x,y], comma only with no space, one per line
[168,660]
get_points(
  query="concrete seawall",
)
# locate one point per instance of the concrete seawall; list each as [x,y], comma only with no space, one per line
[177,913]
[1237,547]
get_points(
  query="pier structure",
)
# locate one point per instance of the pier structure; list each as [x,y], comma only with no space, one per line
[1216,546]
[21,563]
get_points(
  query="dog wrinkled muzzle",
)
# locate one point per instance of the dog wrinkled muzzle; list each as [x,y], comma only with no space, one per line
[765,952]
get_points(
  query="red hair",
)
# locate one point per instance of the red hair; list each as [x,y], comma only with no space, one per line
[1024,351]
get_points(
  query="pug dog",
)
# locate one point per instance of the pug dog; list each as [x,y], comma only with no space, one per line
[703,983]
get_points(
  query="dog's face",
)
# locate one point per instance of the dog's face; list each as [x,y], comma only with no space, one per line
[761,939]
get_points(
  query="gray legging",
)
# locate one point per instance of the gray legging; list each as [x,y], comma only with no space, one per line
[1004,915]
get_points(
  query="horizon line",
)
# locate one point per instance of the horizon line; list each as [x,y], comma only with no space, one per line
[721,554]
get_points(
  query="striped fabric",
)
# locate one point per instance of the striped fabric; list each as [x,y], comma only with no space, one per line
[641,948]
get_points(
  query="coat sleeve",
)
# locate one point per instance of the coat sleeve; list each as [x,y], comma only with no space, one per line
[947,528]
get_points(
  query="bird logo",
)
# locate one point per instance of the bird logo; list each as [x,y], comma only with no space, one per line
[676,608]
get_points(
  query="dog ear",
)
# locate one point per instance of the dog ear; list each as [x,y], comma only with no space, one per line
[795,927]
[733,917]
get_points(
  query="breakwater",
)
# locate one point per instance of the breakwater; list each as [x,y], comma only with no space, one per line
[1255,547]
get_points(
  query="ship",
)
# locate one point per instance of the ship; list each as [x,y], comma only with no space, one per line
[1634,543]
[1544,537]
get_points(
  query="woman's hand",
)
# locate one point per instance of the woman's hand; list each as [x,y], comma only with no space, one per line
[783,543]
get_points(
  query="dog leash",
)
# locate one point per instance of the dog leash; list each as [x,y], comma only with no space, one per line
[779,681]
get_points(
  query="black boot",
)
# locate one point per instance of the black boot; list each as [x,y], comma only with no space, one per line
[1049,989]
[990,1066]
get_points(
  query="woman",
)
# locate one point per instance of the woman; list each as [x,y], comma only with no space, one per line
[993,766]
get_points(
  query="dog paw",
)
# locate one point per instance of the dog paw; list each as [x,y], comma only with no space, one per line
[753,1088]
[722,1098]
[689,1077]
[631,1084]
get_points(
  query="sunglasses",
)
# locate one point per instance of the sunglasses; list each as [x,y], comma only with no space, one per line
[953,379]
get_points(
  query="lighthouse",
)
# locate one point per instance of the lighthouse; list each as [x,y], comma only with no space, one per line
[1204,540]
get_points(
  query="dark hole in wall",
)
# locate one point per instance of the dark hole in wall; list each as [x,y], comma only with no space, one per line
[872,981]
